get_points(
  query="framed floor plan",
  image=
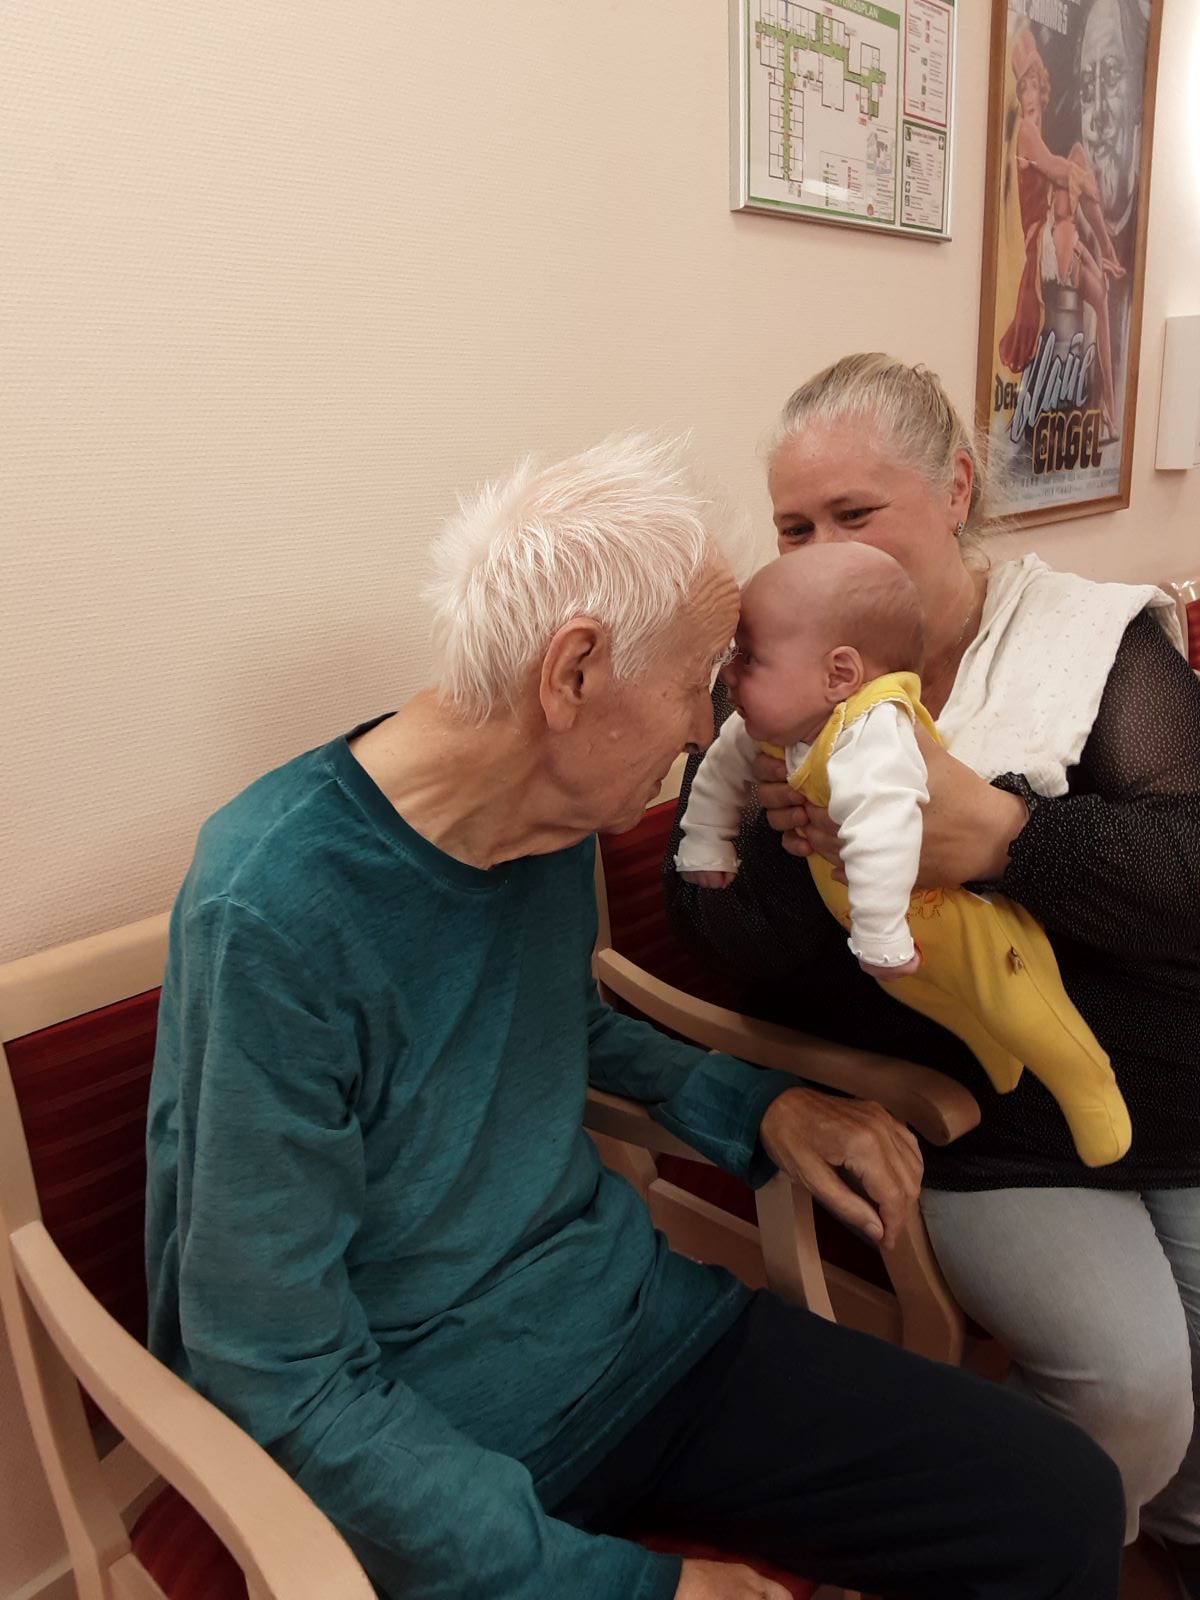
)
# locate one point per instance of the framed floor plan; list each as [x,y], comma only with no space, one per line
[843,111]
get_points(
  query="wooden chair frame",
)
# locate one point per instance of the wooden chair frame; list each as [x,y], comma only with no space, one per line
[921,1314]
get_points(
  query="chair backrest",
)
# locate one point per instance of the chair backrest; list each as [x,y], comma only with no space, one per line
[77,1030]
[637,917]
[81,1087]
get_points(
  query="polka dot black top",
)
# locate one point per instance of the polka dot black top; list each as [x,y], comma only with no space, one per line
[1112,871]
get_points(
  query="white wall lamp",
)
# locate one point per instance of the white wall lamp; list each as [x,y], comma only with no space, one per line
[1179,402]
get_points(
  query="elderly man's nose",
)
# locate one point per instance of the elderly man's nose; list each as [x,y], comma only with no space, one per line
[703,731]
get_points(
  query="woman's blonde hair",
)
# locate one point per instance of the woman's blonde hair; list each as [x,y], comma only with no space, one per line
[912,412]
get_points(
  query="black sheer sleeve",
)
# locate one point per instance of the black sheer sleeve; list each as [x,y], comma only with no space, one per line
[1115,864]
[770,922]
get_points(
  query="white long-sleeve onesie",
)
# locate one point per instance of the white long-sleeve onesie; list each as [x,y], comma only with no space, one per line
[877,786]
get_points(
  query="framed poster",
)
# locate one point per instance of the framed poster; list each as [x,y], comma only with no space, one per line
[843,111]
[1070,124]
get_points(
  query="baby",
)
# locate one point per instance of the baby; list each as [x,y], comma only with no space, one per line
[825,676]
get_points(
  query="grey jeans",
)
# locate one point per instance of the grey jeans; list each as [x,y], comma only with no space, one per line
[1096,1297]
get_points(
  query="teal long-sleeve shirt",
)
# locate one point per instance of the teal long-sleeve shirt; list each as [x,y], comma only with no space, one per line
[377,1234]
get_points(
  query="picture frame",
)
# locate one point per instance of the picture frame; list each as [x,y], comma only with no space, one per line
[1070,137]
[842,111]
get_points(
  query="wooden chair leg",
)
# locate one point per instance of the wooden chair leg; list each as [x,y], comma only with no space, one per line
[788,1238]
[932,1323]
[129,1580]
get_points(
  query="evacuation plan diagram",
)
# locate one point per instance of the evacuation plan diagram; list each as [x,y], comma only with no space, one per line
[846,109]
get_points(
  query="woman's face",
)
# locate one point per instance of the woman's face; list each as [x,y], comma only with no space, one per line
[833,482]
[1029,96]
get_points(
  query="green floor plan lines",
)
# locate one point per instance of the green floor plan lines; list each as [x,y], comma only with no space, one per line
[833,75]
[827,125]
[787,50]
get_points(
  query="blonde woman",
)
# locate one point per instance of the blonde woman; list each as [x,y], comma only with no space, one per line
[1071,780]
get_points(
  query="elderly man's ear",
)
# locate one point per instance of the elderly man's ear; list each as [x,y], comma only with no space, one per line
[577,664]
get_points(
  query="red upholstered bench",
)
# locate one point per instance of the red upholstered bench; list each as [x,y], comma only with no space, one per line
[78,1088]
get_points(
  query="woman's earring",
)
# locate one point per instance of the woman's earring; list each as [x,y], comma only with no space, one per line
[959,529]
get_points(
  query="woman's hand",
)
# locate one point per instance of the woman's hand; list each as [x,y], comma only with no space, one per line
[968,826]
[778,800]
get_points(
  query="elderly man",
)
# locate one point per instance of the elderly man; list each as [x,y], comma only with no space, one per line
[378,1235]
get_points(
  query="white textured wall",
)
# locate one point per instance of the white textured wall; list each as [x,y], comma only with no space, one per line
[31,1540]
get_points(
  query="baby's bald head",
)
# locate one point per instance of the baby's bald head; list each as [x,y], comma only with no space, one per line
[841,594]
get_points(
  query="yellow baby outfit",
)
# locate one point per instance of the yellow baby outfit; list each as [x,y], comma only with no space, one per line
[988,972]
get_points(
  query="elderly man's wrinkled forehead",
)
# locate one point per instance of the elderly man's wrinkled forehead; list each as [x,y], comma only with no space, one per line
[709,616]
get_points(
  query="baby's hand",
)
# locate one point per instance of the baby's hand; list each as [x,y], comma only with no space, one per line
[888,974]
[709,880]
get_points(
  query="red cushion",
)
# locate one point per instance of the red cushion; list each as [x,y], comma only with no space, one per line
[82,1087]
[183,1555]
[1192,612]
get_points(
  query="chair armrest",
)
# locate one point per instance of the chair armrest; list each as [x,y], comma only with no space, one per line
[786,1238]
[284,1544]
[940,1109]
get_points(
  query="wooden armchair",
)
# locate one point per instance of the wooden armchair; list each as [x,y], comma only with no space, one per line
[908,1302]
[160,1495]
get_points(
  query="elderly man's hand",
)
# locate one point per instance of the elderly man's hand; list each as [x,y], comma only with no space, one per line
[725,1580]
[815,1137]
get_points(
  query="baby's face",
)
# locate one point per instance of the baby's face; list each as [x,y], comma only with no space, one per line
[777,680]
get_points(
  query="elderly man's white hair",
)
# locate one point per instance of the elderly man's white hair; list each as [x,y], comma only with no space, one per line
[615,534]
